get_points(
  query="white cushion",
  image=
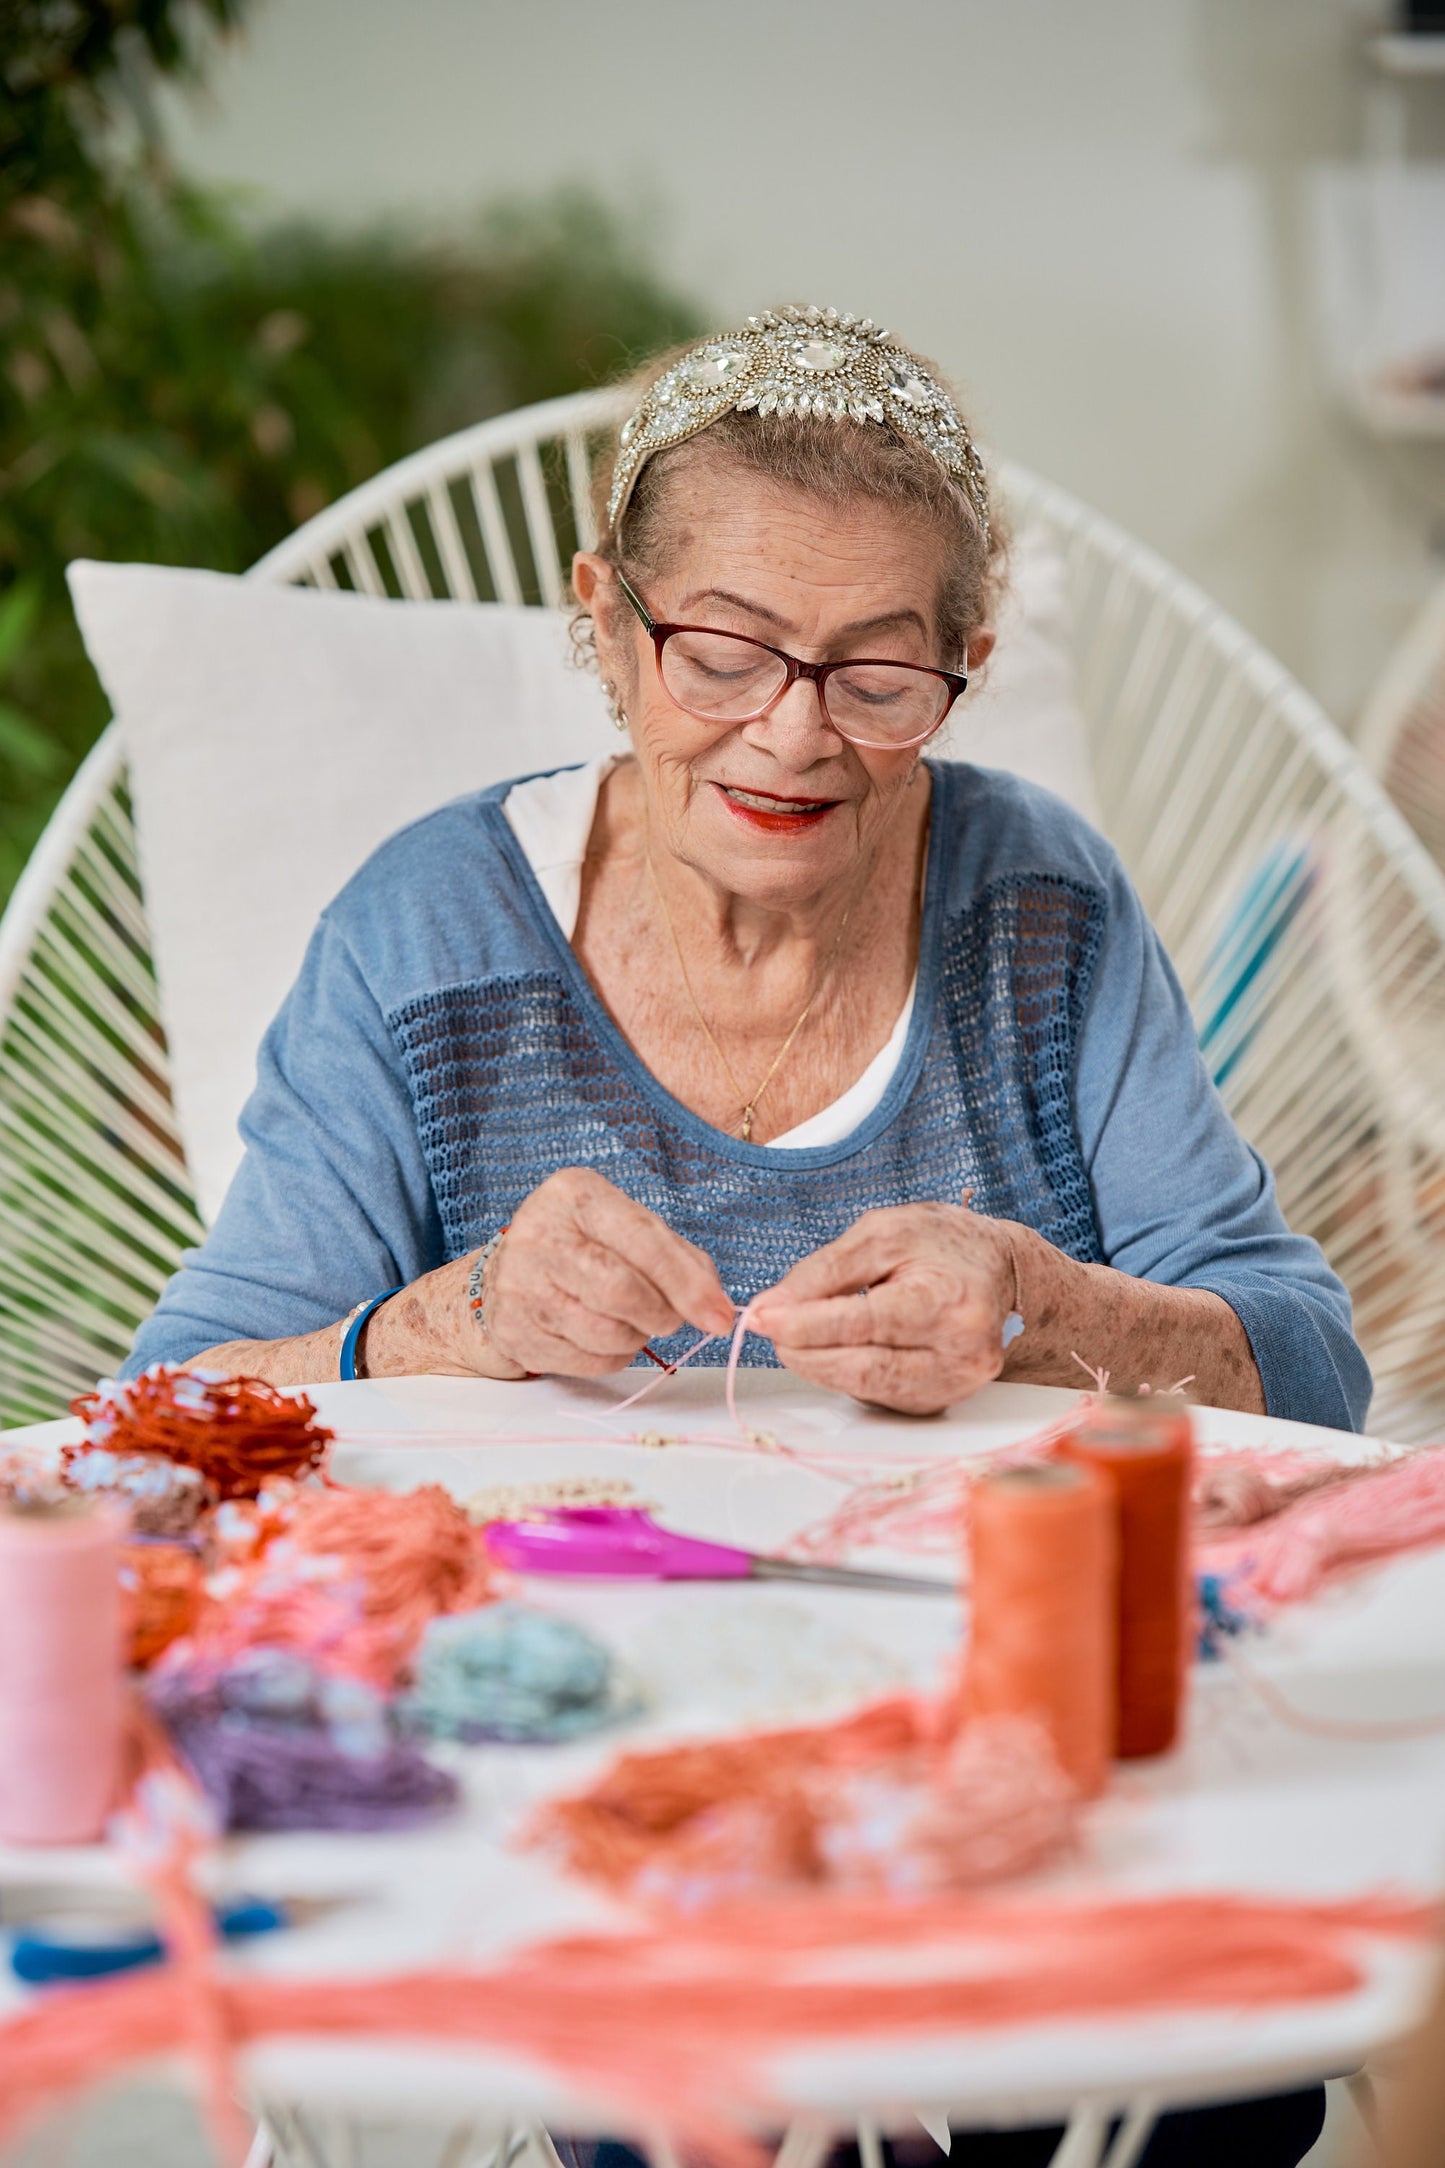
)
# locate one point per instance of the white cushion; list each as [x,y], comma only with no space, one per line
[276,735]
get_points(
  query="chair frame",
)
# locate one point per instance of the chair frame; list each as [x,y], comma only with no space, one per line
[1205,753]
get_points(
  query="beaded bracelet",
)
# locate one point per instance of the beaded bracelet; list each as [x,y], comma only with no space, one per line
[476,1278]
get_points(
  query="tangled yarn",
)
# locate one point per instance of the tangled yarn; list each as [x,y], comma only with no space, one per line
[276,1744]
[511,1673]
[1238,1489]
[160,1585]
[352,1581]
[236,1431]
[882,1800]
[1327,1534]
[680,2028]
[164,1497]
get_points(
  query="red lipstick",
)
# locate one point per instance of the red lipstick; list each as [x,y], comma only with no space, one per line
[772,815]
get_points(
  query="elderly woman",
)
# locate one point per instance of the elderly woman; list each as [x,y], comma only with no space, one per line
[769,1008]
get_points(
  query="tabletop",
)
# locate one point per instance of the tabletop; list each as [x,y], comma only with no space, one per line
[1245,1806]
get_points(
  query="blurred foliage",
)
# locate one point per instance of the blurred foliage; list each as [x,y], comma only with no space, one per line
[179,387]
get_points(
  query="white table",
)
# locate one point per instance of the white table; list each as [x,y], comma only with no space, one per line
[1245,1806]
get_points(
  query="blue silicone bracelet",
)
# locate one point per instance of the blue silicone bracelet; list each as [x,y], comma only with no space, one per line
[347,1365]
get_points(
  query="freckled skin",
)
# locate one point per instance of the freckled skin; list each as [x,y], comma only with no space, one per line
[760,917]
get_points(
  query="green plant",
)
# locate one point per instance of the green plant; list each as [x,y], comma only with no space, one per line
[179,387]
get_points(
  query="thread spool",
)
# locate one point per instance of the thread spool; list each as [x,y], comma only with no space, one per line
[1042,1637]
[1145,1453]
[61,1683]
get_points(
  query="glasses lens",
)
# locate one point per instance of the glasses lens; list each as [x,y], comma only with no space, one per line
[882,703]
[720,678]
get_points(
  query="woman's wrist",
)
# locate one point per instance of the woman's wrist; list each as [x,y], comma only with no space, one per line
[1052,1296]
[428,1327]
[1143,1334]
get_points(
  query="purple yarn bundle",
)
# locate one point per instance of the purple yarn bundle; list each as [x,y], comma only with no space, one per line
[281,1776]
[275,1745]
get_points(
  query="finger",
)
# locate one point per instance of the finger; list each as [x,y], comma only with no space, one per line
[613,1287]
[544,1354]
[905,1312]
[683,1274]
[909,1381]
[591,1331]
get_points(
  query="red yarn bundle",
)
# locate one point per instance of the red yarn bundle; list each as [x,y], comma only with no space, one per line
[239,1432]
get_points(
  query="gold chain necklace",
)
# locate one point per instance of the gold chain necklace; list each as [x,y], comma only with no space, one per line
[749,1104]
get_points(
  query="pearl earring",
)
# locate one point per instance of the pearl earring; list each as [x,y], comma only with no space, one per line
[619,719]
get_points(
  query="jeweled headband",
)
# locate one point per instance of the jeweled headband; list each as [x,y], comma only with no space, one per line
[800,361]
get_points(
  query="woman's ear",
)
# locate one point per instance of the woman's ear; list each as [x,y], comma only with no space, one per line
[980,647]
[596,590]
[589,573]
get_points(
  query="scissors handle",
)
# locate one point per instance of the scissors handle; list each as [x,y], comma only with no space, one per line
[623,1542]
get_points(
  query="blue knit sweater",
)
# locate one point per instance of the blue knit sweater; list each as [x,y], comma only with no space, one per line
[442,1053]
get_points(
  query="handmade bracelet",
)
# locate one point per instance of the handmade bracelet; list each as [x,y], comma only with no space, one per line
[355,1322]
[476,1278]
[1013,1324]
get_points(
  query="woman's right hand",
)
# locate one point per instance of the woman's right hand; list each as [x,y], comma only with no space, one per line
[581,1281]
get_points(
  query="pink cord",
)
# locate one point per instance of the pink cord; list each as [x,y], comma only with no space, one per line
[740,1332]
[668,1370]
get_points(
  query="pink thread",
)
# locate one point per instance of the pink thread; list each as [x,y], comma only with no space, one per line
[1363,1732]
[740,1332]
[667,1370]
[1331,1534]
[61,1686]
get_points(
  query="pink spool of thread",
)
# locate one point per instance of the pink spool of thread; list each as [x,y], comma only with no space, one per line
[61,1678]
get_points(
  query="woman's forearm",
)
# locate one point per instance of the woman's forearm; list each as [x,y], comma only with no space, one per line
[424,1330]
[1141,1333]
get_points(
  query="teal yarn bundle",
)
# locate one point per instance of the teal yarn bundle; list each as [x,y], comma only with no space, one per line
[509,1673]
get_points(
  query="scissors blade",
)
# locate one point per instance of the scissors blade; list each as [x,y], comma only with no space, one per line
[901,1584]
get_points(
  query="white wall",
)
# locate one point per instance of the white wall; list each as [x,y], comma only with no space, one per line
[1100,215]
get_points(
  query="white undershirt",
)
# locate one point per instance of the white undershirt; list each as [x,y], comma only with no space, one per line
[551,818]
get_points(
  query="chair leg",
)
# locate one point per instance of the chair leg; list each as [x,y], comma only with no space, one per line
[1361,2088]
[261,2154]
[1133,2133]
[1082,2145]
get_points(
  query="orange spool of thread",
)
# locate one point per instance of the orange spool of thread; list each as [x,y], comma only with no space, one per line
[1043,1601]
[1145,1453]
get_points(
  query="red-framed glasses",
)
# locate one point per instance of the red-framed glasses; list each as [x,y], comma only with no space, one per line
[724,677]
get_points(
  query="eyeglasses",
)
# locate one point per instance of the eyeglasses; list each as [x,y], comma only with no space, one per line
[724,677]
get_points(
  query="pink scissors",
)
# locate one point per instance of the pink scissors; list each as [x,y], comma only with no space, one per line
[626,1543]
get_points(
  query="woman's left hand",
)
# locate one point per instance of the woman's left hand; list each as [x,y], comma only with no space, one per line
[905,1311]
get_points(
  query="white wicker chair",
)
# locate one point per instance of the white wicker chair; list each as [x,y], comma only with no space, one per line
[1401,737]
[1306,919]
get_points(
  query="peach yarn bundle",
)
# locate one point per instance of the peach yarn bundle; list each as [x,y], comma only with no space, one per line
[679,2029]
[160,1598]
[352,1581]
[238,1432]
[887,1798]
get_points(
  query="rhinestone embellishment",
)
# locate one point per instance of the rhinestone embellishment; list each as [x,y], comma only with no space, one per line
[818,356]
[714,366]
[804,361]
[906,382]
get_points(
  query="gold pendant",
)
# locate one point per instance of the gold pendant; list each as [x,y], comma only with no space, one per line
[747,1123]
